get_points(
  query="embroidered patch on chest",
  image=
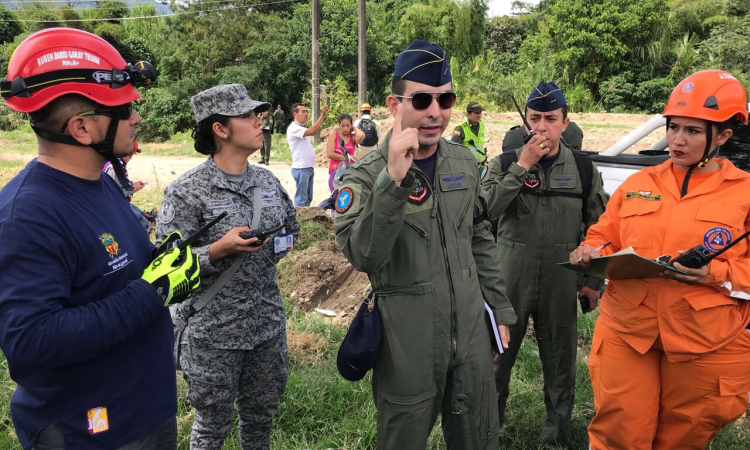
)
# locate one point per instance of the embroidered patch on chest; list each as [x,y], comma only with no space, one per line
[531,180]
[453,181]
[421,192]
[563,182]
[214,207]
[271,198]
[717,238]
[644,195]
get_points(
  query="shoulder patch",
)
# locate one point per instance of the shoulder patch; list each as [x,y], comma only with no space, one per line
[166,212]
[344,200]
[347,201]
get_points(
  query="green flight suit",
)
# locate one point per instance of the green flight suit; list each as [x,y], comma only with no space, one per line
[572,137]
[535,233]
[432,260]
[265,151]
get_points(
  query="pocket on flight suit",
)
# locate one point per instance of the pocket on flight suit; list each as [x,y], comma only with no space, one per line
[405,422]
[489,418]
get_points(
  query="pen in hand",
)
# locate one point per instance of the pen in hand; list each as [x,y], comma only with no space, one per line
[596,250]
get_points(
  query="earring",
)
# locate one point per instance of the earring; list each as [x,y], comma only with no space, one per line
[226,136]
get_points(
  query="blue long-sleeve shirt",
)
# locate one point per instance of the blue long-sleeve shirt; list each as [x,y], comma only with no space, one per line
[87,341]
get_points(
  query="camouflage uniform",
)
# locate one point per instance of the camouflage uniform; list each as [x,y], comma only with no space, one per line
[235,347]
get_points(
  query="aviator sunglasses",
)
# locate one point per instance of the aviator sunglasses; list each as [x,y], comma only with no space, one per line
[423,100]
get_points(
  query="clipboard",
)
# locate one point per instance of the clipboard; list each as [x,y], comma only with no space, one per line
[497,344]
[623,265]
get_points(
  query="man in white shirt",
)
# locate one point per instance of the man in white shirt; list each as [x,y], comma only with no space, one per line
[303,153]
[372,130]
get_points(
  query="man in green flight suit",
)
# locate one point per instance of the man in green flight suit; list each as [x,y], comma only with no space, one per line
[267,127]
[471,132]
[411,214]
[537,194]
[278,119]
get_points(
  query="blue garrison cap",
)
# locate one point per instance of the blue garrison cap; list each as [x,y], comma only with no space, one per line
[546,97]
[423,62]
[359,350]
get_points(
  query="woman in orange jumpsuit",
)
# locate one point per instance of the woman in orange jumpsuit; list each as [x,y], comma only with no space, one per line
[670,356]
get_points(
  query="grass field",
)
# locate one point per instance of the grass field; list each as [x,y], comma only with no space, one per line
[319,410]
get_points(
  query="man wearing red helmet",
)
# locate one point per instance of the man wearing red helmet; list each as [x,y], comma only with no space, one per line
[83,326]
[670,356]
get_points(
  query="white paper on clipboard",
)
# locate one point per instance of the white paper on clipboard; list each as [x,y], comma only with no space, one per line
[494,327]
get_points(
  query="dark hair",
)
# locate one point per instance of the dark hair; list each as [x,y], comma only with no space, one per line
[344,116]
[398,86]
[564,111]
[295,107]
[203,134]
[54,115]
[728,124]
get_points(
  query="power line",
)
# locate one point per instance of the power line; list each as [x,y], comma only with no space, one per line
[62,8]
[178,13]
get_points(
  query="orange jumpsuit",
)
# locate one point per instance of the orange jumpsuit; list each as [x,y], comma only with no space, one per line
[670,362]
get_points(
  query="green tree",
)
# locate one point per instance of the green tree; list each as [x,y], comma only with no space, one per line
[444,22]
[594,40]
[9,25]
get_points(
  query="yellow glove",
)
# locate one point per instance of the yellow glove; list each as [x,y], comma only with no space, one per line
[174,274]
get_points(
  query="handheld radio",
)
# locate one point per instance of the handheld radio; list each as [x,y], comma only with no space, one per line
[530,133]
[699,256]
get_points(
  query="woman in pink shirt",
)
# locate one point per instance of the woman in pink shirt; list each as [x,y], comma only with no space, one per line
[346,140]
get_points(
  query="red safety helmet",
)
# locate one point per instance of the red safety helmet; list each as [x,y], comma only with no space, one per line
[59,61]
[712,95]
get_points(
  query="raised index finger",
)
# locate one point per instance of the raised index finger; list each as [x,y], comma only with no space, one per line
[397,121]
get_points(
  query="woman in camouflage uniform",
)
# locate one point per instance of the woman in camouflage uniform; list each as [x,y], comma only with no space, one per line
[233,350]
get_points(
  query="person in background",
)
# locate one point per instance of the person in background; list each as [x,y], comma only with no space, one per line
[303,153]
[470,133]
[371,128]
[231,341]
[267,127]
[342,141]
[278,119]
[670,356]
[146,219]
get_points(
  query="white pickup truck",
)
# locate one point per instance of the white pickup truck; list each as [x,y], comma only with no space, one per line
[616,166]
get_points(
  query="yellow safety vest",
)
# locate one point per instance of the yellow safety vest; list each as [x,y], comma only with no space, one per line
[477,148]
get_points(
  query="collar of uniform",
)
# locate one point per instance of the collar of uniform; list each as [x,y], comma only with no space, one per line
[727,171]
[219,180]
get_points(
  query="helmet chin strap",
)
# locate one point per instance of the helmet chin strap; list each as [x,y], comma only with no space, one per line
[703,162]
[104,148]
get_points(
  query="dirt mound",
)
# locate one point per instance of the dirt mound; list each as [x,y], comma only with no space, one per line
[314,214]
[321,277]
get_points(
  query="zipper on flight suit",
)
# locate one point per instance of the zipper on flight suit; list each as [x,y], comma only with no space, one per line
[434,213]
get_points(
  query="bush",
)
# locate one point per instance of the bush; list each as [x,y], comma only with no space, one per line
[651,96]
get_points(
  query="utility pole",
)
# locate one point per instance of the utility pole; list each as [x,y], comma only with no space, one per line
[316,62]
[362,50]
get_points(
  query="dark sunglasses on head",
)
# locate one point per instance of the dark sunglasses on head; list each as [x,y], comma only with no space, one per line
[125,111]
[423,100]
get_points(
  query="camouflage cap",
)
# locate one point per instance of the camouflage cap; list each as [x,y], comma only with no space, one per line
[227,99]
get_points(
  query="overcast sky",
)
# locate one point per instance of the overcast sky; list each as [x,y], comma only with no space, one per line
[502,7]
